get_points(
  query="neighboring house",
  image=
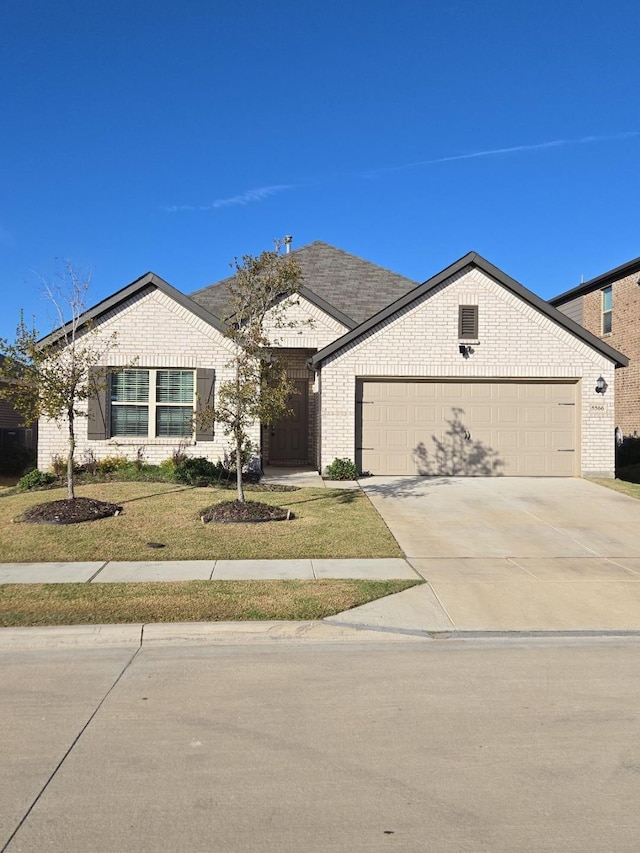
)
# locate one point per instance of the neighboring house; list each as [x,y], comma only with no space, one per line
[13,433]
[468,373]
[609,307]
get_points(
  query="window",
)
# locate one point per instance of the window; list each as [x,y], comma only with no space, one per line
[467,322]
[607,308]
[152,403]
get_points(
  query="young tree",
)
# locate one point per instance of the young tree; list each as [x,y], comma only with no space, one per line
[51,377]
[259,391]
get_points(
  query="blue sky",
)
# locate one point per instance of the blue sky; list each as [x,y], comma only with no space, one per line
[173,137]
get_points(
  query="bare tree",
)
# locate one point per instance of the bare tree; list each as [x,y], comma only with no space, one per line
[51,377]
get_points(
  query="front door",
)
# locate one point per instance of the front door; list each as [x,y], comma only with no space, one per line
[288,437]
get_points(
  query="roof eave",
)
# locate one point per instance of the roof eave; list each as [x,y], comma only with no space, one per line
[595,283]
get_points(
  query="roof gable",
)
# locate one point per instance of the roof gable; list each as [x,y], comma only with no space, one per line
[344,286]
[472,259]
[146,281]
[600,281]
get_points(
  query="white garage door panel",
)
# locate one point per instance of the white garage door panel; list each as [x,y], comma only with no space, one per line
[468,428]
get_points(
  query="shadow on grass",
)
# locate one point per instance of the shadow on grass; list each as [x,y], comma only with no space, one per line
[339,496]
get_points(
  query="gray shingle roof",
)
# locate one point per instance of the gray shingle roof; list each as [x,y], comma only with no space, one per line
[473,259]
[355,288]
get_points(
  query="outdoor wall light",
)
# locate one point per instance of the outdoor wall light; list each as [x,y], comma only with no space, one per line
[465,350]
[601,385]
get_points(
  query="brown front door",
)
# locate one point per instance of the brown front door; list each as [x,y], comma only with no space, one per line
[288,437]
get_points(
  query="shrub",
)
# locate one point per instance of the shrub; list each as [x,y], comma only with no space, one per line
[178,455]
[59,466]
[198,471]
[112,463]
[17,460]
[628,453]
[90,463]
[36,478]
[342,469]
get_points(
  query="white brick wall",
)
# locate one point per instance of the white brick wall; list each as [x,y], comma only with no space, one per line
[310,327]
[422,341]
[158,332]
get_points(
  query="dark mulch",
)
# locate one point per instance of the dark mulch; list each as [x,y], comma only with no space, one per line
[70,511]
[233,512]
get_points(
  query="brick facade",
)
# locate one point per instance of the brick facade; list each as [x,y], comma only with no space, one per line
[154,331]
[624,336]
[516,341]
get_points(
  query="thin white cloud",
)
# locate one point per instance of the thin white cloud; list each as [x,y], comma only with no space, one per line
[493,152]
[240,200]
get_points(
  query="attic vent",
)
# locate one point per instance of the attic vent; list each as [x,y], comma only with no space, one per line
[467,322]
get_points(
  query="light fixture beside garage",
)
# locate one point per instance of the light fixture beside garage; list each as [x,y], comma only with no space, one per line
[601,385]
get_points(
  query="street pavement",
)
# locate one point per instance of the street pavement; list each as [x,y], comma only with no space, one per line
[389,744]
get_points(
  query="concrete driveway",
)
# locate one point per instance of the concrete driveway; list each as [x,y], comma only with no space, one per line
[503,554]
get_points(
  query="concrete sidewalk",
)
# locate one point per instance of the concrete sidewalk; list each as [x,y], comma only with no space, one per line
[112,571]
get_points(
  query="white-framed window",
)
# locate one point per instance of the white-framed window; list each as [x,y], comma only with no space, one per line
[152,403]
[607,309]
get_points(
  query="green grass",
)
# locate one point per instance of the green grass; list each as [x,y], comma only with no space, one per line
[328,523]
[24,605]
[632,490]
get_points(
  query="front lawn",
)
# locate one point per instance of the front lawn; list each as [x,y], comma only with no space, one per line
[23,605]
[327,523]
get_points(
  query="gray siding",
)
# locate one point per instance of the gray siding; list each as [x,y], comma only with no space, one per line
[573,309]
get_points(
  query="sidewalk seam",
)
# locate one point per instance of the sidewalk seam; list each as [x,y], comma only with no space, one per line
[95,575]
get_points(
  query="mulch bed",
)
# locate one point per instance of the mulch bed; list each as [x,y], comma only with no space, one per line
[70,511]
[234,512]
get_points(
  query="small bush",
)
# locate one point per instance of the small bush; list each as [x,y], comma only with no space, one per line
[89,462]
[112,463]
[198,471]
[628,453]
[342,469]
[36,478]
[59,466]
[17,460]
[178,455]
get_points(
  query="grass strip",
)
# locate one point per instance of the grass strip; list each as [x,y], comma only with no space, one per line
[632,490]
[24,605]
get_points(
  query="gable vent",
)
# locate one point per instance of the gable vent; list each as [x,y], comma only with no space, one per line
[467,322]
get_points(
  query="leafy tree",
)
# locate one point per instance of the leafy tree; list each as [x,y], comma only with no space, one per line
[263,285]
[50,377]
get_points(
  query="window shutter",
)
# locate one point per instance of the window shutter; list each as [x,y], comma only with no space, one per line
[98,421]
[205,379]
[468,321]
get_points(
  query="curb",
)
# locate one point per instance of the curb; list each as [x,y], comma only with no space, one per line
[165,634]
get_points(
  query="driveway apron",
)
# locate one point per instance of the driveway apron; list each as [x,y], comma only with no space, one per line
[514,554]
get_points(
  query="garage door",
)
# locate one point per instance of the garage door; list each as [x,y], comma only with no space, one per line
[474,428]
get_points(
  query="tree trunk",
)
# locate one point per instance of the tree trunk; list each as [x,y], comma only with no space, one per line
[72,447]
[239,469]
